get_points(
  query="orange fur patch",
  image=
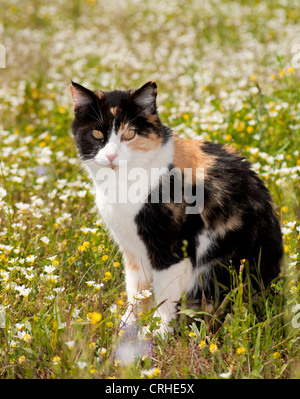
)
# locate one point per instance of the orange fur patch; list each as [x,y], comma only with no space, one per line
[130,261]
[153,119]
[122,129]
[113,110]
[139,143]
[188,154]
[99,94]
[230,149]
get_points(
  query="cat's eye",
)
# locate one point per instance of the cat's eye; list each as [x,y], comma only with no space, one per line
[128,134]
[97,134]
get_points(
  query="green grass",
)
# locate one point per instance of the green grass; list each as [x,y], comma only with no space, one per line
[224,72]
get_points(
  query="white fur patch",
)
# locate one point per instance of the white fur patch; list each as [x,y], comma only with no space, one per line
[169,285]
[119,216]
[204,242]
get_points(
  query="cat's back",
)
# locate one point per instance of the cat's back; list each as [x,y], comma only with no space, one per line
[226,172]
[238,208]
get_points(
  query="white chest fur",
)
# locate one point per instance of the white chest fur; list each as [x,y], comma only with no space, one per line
[124,191]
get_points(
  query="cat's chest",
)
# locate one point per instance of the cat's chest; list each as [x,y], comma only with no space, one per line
[121,199]
[120,219]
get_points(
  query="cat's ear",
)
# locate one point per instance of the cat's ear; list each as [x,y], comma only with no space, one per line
[81,95]
[145,96]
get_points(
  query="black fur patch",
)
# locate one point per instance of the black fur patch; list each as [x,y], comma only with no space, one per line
[232,191]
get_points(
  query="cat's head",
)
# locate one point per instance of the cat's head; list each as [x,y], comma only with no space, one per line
[115,126]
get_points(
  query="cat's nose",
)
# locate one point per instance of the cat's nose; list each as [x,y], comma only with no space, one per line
[111,157]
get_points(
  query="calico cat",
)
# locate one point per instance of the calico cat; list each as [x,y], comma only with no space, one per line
[176,251]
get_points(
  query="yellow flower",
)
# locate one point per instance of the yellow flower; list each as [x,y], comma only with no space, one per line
[28,128]
[22,360]
[56,359]
[151,373]
[284,209]
[94,317]
[276,355]
[81,248]
[287,248]
[104,257]
[109,324]
[120,302]
[116,264]
[252,78]
[213,348]
[291,70]
[107,276]
[240,350]
[282,73]
[293,290]
[92,370]
[156,371]
[185,116]
[192,334]
[27,338]
[250,129]
[202,345]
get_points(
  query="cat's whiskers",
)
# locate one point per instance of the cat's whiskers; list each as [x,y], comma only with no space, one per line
[97,119]
[99,116]
[99,110]
[79,166]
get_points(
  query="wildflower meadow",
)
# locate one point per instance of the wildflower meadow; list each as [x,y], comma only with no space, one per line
[227,72]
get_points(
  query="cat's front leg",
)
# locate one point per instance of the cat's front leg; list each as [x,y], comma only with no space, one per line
[169,285]
[138,278]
